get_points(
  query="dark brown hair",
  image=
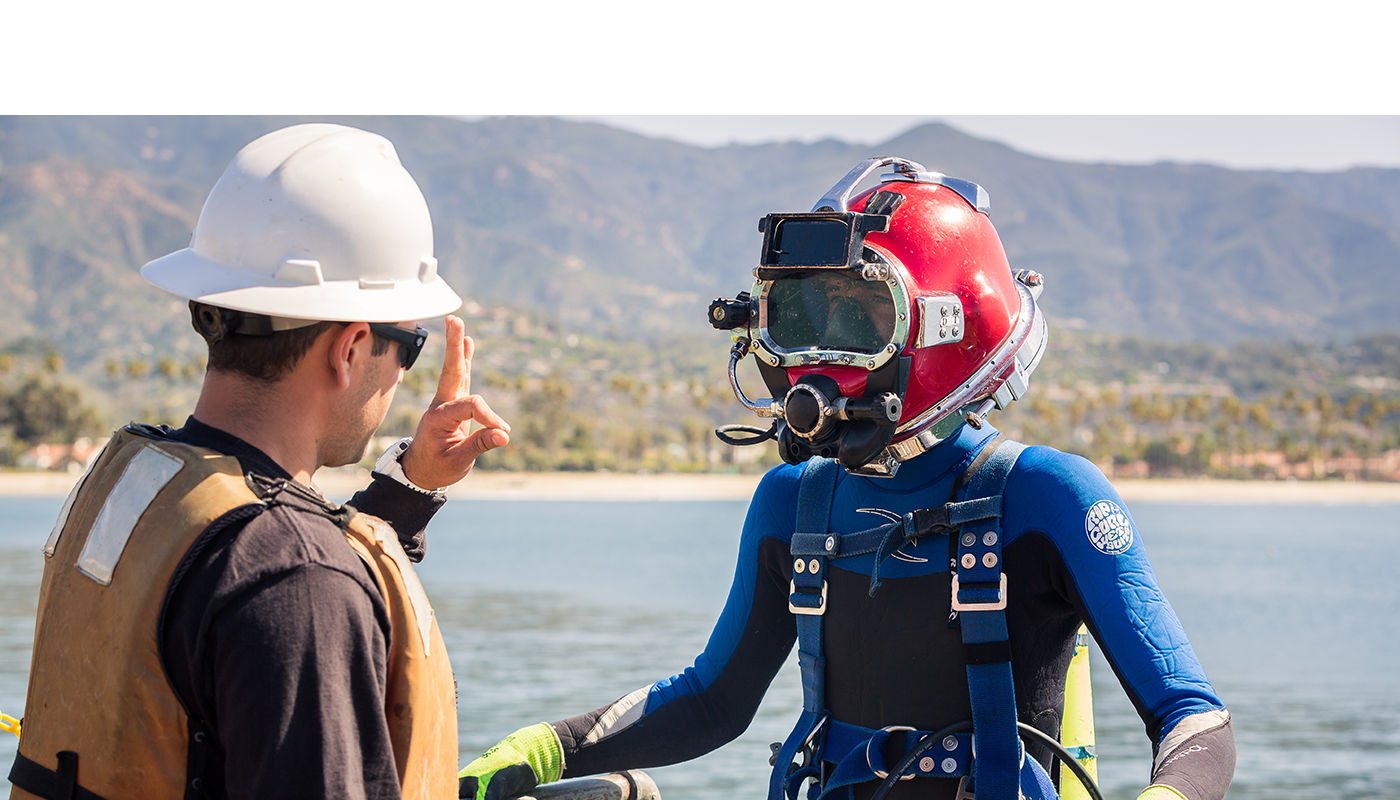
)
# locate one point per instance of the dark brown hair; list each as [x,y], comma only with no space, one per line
[271,358]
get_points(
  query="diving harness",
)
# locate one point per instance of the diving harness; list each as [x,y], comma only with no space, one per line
[984,753]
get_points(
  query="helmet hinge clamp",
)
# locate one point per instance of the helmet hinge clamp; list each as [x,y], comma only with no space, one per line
[975,195]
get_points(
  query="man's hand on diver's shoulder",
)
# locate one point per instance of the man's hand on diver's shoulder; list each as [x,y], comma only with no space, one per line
[444,448]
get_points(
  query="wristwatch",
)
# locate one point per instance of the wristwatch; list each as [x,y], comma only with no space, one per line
[388,465]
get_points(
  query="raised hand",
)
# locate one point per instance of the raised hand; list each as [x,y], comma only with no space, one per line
[444,447]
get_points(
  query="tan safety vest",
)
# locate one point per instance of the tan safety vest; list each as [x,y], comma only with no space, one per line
[96,684]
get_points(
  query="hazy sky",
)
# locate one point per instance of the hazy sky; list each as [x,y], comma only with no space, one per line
[964,62]
[1316,142]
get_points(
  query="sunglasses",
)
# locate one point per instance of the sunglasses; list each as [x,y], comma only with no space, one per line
[412,341]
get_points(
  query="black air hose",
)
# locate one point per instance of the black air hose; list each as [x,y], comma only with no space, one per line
[962,727]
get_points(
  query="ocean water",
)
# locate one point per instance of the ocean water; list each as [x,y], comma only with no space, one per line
[554,608]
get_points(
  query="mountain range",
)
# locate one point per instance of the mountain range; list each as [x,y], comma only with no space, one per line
[609,231]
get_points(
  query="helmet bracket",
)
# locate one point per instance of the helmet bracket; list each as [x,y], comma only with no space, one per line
[837,197]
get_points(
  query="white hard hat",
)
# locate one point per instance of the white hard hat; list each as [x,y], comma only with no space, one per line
[313,222]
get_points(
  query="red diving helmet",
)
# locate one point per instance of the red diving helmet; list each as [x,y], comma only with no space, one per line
[881,322]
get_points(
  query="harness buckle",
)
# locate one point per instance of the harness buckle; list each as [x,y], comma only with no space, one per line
[879,773]
[960,606]
[817,611]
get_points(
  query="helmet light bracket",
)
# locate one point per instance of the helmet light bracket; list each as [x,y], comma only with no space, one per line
[940,320]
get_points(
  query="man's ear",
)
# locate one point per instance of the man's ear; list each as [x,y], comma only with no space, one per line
[349,350]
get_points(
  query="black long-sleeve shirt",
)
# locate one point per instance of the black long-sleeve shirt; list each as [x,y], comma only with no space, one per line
[278,638]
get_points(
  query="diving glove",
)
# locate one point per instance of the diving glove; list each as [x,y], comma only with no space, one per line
[518,763]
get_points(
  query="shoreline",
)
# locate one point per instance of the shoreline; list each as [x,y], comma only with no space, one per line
[613,486]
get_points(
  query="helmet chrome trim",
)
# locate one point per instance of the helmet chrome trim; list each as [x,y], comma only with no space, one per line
[838,197]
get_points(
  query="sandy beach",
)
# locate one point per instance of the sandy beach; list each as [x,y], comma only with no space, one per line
[340,484]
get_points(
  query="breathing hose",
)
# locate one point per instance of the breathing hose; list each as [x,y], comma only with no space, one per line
[1025,730]
[759,435]
[1066,758]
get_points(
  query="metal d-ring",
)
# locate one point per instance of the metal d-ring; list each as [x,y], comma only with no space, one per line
[881,773]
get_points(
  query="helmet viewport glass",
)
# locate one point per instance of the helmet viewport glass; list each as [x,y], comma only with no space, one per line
[830,310]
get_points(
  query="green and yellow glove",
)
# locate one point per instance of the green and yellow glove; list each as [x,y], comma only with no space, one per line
[1158,791]
[518,763]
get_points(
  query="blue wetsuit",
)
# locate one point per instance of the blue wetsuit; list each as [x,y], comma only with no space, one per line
[1071,554]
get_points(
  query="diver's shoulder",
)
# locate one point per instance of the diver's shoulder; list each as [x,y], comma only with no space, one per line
[1045,470]
[780,481]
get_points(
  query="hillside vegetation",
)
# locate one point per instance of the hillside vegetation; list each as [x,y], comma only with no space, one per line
[584,402]
[1204,321]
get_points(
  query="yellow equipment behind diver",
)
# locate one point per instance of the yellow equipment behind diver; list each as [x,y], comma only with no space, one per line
[9,723]
[1077,732]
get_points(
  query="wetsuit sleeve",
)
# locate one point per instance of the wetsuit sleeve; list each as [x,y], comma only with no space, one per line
[408,511]
[1112,586]
[713,701]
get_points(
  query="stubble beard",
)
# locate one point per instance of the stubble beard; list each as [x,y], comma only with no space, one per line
[362,416]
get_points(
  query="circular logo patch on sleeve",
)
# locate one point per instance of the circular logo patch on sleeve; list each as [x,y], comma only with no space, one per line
[1109,529]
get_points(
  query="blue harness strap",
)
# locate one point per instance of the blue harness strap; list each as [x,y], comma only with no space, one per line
[807,601]
[979,598]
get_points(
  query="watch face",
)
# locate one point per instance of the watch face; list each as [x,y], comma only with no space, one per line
[388,463]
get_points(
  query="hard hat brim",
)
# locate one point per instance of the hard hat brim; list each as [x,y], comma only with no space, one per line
[189,275]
